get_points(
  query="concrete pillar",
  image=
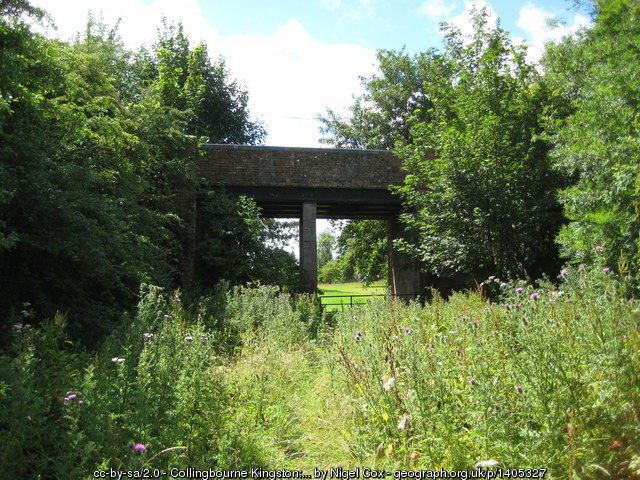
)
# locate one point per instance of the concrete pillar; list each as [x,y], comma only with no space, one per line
[308,248]
[404,273]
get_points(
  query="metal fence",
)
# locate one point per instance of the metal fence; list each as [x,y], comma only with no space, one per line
[351,302]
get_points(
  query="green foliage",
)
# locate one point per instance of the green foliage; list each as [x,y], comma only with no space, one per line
[188,81]
[480,187]
[236,245]
[469,123]
[380,117]
[463,381]
[157,380]
[326,244]
[82,231]
[361,253]
[335,271]
[364,248]
[96,161]
[598,142]
[249,378]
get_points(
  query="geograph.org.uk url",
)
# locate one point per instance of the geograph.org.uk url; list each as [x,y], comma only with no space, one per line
[509,473]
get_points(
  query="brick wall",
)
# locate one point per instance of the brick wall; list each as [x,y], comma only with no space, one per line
[299,167]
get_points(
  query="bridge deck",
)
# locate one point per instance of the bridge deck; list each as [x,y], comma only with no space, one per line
[343,183]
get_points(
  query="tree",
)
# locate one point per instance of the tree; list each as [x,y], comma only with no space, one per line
[363,249]
[480,182]
[598,142]
[188,81]
[236,245]
[468,122]
[92,160]
[326,243]
[380,117]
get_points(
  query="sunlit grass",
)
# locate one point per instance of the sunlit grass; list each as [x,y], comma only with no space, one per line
[336,296]
[544,378]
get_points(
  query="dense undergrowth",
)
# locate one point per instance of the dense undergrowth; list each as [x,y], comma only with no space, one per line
[546,378]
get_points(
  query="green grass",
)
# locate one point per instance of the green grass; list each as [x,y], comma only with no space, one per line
[545,378]
[328,293]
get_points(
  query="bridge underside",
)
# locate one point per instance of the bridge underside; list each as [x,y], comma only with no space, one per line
[309,204]
[332,203]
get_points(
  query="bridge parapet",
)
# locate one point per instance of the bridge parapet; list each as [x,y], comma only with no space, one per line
[258,166]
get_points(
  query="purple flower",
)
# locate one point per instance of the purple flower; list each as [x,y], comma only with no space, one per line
[582,266]
[606,269]
[431,345]
[407,330]
[534,295]
[203,337]
[139,447]
[598,248]
[564,273]
[475,323]
[148,335]
[516,305]
[17,328]
[80,402]
[357,335]
[188,338]
[519,387]
[472,381]
[625,337]
[166,316]
[518,289]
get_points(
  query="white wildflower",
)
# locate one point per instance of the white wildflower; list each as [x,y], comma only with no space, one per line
[390,384]
[402,424]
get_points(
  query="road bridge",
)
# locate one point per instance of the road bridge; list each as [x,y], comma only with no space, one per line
[311,183]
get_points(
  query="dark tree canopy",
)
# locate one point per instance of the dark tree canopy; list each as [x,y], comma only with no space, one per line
[97,142]
[468,121]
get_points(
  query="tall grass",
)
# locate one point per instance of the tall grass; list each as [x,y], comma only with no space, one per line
[545,378]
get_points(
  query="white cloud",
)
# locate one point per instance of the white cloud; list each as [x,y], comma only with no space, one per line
[464,21]
[138,21]
[536,21]
[331,4]
[290,76]
[437,9]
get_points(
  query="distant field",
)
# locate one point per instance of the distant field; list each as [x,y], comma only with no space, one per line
[328,290]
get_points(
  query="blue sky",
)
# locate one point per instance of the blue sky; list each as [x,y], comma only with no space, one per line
[297,58]
[375,24]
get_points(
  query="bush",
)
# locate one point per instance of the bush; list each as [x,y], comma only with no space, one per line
[546,378]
